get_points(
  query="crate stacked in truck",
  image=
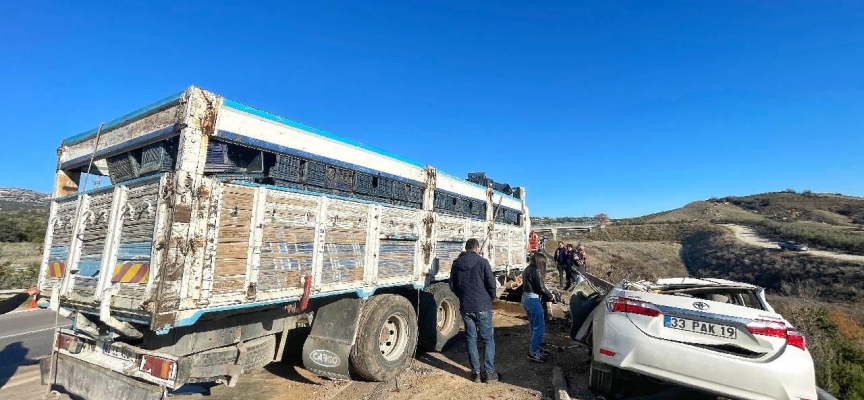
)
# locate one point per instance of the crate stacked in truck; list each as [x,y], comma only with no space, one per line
[151,159]
[229,161]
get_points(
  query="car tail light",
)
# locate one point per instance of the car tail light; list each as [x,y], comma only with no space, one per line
[794,337]
[607,353]
[767,328]
[632,306]
[778,329]
[159,367]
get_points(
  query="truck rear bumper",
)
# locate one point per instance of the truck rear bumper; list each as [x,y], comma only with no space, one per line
[90,381]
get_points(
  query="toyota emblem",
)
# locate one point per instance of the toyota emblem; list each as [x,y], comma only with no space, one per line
[701,306]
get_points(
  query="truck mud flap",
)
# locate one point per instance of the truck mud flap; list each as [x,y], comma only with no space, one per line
[88,381]
[328,347]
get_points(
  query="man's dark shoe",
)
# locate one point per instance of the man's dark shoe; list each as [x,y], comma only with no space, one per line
[492,378]
[476,378]
[537,357]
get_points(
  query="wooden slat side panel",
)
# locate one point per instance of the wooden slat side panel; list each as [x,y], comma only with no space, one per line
[136,238]
[93,244]
[450,229]
[445,253]
[477,230]
[345,225]
[58,254]
[227,285]
[397,223]
[234,230]
[288,242]
[500,246]
[140,219]
[518,244]
[396,258]
[399,232]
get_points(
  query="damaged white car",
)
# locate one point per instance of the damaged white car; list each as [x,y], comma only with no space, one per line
[715,335]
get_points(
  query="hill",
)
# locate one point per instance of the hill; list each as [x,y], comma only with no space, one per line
[12,199]
[823,221]
[819,295]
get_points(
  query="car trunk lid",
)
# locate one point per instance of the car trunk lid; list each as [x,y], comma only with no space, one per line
[716,325]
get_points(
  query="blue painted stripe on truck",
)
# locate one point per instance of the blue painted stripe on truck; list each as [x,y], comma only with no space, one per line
[285,121]
[362,292]
[261,144]
[153,136]
[164,103]
[134,251]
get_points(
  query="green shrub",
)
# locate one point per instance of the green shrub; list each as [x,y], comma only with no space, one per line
[23,226]
[18,278]
[839,362]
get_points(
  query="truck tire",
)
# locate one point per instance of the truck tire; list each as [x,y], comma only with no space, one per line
[440,319]
[386,338]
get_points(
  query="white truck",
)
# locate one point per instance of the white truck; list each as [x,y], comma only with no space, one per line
[229,234]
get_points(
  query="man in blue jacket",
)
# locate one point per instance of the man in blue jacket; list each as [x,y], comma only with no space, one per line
[473,282]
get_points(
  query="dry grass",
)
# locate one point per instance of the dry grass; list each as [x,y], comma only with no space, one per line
[632,260]
[20,254]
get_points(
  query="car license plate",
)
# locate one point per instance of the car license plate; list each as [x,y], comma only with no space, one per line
[115,352]
[705,328]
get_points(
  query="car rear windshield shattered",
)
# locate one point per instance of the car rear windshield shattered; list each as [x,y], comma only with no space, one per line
[745,297]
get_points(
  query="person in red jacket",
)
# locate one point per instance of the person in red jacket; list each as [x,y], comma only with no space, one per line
[16,300]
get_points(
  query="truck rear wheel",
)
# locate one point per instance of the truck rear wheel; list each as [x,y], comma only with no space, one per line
[439,317]
[386,338]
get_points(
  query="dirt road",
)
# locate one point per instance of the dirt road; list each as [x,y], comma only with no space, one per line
[433,376]
[747,235]
[430,376]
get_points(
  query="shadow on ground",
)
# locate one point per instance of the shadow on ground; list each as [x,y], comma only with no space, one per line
[14,355]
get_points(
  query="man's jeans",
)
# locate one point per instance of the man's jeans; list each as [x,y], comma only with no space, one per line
[480,322]
[536,321]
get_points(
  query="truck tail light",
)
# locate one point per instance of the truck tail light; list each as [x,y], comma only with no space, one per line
[159,367]
[67,342]
[632,306]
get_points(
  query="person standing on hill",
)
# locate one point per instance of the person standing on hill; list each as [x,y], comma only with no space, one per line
[580,259]
[561,260]
[16,300]
[534,294]
[473,282]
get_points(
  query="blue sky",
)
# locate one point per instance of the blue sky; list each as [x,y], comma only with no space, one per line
[618,107]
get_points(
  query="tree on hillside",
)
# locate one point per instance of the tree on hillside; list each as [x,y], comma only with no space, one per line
[602,220]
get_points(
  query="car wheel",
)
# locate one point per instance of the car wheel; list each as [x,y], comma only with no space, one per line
[602,378]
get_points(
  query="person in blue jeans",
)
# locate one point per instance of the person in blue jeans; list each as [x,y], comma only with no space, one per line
[472,281]
[534,293]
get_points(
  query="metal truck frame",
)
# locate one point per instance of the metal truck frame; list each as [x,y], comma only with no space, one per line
[230,237]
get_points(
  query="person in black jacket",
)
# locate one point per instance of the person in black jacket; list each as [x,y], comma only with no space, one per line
[534,293]
[16,300]
[472,281]
[561,260]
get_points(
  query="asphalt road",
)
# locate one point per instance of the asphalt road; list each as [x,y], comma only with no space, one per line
[25,337]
